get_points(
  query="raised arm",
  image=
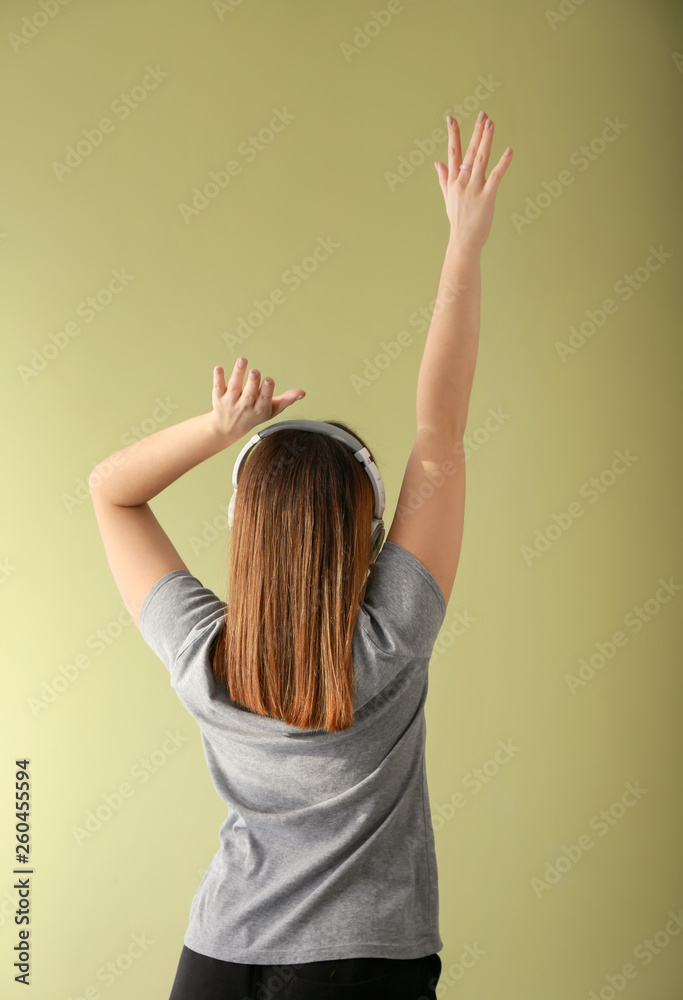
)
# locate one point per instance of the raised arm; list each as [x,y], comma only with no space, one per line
[430,513]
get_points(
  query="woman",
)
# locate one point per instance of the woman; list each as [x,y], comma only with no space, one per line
[309,688]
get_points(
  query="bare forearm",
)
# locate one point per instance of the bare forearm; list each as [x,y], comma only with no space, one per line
[140,471]
[446,374]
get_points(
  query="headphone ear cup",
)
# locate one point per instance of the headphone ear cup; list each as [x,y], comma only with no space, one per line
[377,539]
[231,509]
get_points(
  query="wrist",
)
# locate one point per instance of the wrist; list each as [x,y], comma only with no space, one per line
[220,435]
[460,249]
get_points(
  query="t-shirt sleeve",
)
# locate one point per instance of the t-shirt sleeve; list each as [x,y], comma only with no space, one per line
[176,608]
[404,608]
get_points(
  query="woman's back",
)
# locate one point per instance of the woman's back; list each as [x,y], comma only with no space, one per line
[328,850]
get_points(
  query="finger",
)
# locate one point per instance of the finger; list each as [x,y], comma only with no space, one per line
[267,388]
[454,150]
[237,377]
[473,146]
[281,403]
[498,171]
[253,386]
[218,381]
[442,174]
[482,156]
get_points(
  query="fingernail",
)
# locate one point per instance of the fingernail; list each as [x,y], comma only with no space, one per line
[242,362]
[489,123]
[508,151]
[302,396]
[480,116]
[449,119]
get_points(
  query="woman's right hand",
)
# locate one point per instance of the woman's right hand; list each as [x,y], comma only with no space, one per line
[470,197]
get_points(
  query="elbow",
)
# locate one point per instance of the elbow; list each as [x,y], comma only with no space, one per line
[451,431]
[95,479]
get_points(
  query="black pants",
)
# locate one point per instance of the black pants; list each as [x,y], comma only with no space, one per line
[202,978]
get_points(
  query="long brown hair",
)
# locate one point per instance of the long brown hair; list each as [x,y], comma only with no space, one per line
[298,569]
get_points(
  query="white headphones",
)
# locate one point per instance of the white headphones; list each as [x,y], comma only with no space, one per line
[359,451]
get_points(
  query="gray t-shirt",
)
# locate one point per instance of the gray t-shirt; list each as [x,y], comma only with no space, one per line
[327,851]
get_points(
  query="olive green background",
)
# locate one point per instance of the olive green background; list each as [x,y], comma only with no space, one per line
[545,914]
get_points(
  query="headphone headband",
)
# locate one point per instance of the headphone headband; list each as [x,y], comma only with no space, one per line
[359,451]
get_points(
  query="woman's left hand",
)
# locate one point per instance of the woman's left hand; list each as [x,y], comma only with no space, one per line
[238,408]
